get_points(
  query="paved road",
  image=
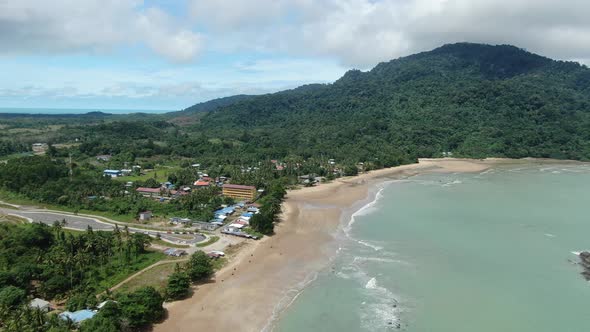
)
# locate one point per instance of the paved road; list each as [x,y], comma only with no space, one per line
[82,223]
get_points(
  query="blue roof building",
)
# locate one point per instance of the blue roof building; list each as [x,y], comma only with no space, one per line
[228,210]
[225,211]
[77,316]
[112,173]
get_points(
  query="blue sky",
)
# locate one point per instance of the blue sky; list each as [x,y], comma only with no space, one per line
[168,55]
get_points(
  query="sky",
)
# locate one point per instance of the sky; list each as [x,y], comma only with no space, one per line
[168,55]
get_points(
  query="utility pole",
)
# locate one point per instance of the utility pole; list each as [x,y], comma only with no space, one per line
[71,170]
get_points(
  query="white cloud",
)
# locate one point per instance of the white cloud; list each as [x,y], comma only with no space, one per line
[253,46]
[357,33]
[361,33]
[63,26]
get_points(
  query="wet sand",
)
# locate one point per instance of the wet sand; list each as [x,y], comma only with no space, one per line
[265,276]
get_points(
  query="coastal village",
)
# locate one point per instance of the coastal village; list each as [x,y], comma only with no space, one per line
[228,228]
[233,218]
[229,221]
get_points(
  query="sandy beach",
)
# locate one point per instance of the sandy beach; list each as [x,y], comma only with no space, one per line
[250,292]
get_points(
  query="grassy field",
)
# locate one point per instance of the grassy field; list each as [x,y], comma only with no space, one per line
[12,219]
[168,244]
[212,239]
[160,173]
[16,155]
[156,277]
[146,260]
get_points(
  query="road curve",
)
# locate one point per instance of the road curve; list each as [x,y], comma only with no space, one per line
[81,223]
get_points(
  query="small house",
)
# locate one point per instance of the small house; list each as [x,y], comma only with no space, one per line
[216,254]
[202,183]
[148,192]
[241,221]
[39,148]
[174,252]
[252,209]
[103,157]
[178,220]
[145,215]
[207,226]
[40,304]
[247,216]
[114,173]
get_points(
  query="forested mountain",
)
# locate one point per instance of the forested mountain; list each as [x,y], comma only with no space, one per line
[191,115]
[212,105]
[470,99]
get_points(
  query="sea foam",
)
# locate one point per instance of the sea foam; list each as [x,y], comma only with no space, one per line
[371,284]
[366,209]
[381,310]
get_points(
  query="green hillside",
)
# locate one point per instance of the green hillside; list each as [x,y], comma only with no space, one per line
[470,99]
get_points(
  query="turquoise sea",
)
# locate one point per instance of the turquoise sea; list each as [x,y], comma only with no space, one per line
[461,253]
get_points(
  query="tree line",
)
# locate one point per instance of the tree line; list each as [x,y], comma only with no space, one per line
[37,260]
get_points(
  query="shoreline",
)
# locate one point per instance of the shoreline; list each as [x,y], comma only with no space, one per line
[256,287]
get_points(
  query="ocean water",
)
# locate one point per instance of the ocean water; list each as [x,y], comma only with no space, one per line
[461,253]
[75,111]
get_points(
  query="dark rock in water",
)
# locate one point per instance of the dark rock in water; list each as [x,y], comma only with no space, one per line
[585,262]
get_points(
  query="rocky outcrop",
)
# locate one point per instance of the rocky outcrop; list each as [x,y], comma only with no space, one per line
[585,262]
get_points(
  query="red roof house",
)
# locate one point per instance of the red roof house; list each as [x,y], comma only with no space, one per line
[202,183]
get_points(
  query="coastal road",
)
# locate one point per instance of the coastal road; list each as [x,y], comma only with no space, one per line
[81,223]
